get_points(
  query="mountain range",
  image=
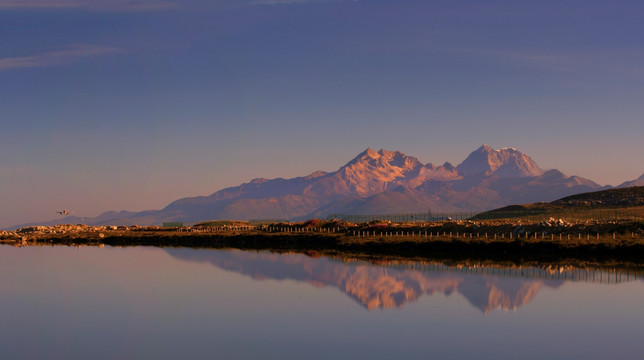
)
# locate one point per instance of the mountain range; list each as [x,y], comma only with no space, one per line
[374,182]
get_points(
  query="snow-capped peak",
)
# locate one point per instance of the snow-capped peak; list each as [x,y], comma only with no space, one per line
[506,162]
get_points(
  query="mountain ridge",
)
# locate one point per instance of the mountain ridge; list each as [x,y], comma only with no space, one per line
[507,162]
[372,182]
[637,182]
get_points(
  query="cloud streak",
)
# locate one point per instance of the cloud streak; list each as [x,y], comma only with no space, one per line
[67,55]
[109,5]
[139,5]
[283,2]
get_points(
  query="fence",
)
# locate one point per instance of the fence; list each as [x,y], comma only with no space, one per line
[267,221]
[571,215]
[408,217]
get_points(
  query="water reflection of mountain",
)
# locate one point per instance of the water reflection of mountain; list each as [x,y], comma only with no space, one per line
[375,286]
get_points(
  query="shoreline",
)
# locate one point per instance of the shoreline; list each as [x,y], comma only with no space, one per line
[626,249]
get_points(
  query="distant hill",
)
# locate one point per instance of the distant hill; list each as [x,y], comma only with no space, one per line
[611,198]
[624,197]
[374,182]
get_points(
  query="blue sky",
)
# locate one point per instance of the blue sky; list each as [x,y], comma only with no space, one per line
[132,104]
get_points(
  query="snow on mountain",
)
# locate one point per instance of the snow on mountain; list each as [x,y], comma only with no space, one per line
[386,181]
[373,172]
[375,182]
[637,182]
[507,162]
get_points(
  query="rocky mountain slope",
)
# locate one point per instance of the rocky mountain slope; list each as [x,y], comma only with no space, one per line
[507,162]
[623,198]
[637,182]
[389,182]
[374,182]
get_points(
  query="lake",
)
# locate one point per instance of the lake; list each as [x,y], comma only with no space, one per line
[179,303]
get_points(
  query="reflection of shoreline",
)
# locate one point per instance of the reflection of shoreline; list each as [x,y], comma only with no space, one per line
[377,286]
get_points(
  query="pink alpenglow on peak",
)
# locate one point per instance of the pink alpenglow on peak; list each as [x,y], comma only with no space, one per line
[507,162]
[373,172]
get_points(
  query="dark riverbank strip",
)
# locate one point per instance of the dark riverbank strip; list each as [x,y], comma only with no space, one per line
[438,248]
[627,249]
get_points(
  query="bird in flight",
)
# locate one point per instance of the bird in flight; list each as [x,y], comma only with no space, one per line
[63,212]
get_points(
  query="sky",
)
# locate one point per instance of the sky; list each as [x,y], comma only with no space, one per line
[129,105]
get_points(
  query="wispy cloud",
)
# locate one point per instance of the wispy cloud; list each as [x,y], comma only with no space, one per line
[111,5]
[281,2]
[140,5]
[67,55]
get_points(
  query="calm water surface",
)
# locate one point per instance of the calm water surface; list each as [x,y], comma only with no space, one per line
[154,303]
